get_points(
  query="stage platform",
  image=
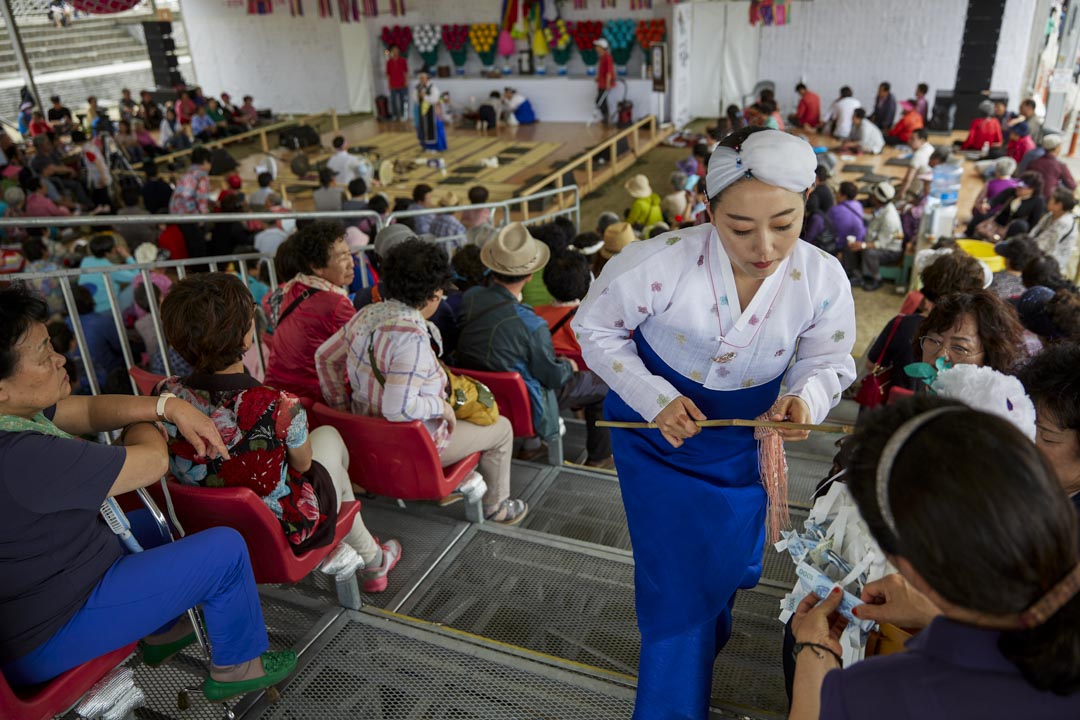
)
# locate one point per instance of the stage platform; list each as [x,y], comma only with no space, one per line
[486,622]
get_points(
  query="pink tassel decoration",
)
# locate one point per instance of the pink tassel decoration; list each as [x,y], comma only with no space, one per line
[772,464]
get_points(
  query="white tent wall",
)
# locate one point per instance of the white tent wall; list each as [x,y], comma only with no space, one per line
[290,64]
[860,43]
[1013,45]
[724,56]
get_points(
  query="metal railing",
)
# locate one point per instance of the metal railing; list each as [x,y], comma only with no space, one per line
[217,263]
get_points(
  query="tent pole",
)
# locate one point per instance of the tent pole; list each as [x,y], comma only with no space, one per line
[20,52]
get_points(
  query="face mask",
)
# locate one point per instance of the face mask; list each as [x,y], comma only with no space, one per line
[698,209]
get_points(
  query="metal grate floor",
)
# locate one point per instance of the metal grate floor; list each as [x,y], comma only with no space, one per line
[580,506]
[576,602]
[380,668]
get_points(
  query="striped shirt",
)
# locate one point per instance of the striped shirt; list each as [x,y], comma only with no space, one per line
[385,352]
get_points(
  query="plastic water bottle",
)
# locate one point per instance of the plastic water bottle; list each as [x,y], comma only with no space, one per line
[945,184]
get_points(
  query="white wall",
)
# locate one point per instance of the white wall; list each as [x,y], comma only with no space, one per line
[300,65]
[860,43]
[1012,53]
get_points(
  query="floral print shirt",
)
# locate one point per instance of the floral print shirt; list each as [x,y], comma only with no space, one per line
[258,424]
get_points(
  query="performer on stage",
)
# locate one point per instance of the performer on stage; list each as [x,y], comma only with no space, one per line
[519,111]
[429,122]
[706,323]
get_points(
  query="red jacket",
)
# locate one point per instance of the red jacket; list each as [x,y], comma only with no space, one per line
[809,111]
[1019,147]
[605,72]
[983,130]
[292,365]
[908,124]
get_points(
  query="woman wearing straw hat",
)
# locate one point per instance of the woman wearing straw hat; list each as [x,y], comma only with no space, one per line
[616,237]
[646,208]
[707,323]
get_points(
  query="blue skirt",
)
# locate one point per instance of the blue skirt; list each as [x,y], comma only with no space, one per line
[697,522]
[524,114]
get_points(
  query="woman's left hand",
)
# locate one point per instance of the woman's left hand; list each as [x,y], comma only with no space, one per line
[197,429]
[819,622]
[791,408]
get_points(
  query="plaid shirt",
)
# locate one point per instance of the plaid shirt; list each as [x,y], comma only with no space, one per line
[192,194]
[446,225]
[385,351]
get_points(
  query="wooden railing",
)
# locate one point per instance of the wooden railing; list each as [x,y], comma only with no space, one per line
[614,165]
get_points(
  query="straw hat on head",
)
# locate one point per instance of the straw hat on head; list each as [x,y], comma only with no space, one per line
[638,186]
[616,237]
[515,252]
[449,199]
[883,192]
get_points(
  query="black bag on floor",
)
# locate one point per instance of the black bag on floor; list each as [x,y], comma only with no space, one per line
[382,107]
[625,113]
[221,162]
[298,136]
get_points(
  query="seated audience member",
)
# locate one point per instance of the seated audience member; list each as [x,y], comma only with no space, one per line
[1018,251]
[676,204]
[385,353]
[71,593]
[328,197]
[883,243]
[149,111]
[268,240]
[1001,180]
[217,115]
[38,260]
[249,112]
[444,224]
[358,198]
[822,194]
[846,220]
[172,133]
[985,130]
[106,252]
[226,235]
[421,200]
[202,125]
[910,121]
[156,193]
[1050,381]
[557,239]
[807,115]
[1051,315]
[922,151]
[257,199]
[1036,153]
[127,105]
[259,289]
[265,430]
[59,116]
[15,207]
[1020,142]
[587,244]
[974,328]
[145,327]
[500,334]
[1054,172]
[616,237]
[38,124]
[865,135]
[478,195]
[312,307]
[645,210]
[837,121]
[102,341]
[606,220]
[884,114]
[1028,117]
[128,143]
[38,202]
[135,235]
[955,272]
[1021,209]
[816,228]
[567,277]
[1055,233]
[346,166]
[379,205]
[1004,118]
[146,141]
[1001,616]
[921,103]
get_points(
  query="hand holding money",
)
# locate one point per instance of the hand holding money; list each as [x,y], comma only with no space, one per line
[895,601]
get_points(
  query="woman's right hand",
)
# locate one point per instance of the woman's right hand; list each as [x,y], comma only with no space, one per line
[449,416]
[677,420]
[894,600]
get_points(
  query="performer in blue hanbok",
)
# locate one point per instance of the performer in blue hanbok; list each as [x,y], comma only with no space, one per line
[519,111]
[708,323]
[428,115]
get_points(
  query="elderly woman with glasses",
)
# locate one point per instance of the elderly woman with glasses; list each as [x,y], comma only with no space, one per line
[975,328]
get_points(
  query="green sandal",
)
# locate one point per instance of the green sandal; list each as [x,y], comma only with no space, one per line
[154,655]
[276,665]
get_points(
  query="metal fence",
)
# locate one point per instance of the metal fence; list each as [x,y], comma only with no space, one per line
[239,262]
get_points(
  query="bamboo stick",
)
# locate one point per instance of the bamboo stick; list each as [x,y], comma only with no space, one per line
[837,429]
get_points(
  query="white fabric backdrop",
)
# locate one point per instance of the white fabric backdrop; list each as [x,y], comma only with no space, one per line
[724,57]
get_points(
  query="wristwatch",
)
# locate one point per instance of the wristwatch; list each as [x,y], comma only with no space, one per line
[162,398]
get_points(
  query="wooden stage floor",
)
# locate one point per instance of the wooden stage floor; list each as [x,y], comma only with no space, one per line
[525,154]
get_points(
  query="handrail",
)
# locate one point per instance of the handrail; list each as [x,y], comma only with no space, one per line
[162,219]
[504,204]
[259,132]
[609,146]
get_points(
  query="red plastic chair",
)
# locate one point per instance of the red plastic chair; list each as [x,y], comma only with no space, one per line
[56,697]
[272,560]
[396,459]
[144,380]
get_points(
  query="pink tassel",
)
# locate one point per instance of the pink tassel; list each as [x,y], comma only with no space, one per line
[772,464]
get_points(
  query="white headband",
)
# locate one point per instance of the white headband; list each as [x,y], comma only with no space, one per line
[892,450]
[773,157]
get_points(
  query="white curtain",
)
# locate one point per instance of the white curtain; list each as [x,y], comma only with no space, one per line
[359,83]
[724,57]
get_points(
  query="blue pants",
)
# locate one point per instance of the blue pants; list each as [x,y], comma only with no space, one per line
[399,98]
[144,593]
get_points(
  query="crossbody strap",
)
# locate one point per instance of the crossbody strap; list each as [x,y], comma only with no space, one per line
[565,319]
[888,340]
[308,292]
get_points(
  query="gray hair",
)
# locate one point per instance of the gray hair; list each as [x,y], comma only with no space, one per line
[1004,167]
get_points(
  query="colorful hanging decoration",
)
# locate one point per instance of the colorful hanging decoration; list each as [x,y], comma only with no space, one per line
[769,12]
[326,8]
[397,7]
[581,5]
[296,8]
[585,34]
[607,4]
[260,7]
[454,38]
[649,32]
[426,40]
[641,4]
[371,8]
[620,35]
[560,42]
[482,38]
[399,36]
[107,7]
